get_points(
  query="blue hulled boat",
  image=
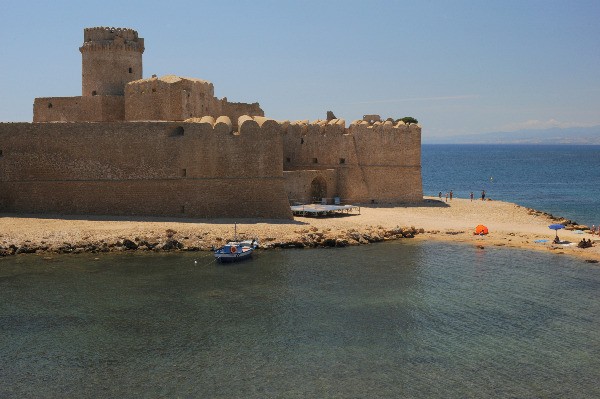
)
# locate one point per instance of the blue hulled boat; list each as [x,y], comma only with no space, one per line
[235,251]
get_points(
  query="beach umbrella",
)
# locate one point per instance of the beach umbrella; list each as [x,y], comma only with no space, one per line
[481,229]
[556,227]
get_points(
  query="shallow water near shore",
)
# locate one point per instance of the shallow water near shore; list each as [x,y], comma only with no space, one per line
[396,319]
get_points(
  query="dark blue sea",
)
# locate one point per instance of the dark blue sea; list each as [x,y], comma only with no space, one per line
[561,179]
[403,319]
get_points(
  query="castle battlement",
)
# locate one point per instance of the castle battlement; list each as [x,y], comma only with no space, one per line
[364,127]
[102,33]
[317,127]
[107,39]
[338,126]
[246,125]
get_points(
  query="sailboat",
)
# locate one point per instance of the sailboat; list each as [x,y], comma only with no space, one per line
[236,250]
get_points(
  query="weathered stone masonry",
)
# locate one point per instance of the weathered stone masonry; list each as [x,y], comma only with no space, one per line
[379,162]
[168,147]
[144,168]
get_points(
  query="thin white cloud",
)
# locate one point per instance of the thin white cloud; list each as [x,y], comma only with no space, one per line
[534,124]
[399,100]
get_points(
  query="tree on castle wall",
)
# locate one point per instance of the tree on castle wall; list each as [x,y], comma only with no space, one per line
[408,120]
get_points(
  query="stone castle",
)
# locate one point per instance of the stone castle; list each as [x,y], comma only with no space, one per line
[168,147]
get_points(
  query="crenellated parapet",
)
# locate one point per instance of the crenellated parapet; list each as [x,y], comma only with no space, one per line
[338,126]
[104,38]
[389,126]
[108,33]
[317,127]
[246,125]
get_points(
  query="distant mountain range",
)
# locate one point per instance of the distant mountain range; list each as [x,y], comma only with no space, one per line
[573,135]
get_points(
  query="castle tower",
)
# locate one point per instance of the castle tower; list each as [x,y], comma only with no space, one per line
[111,58]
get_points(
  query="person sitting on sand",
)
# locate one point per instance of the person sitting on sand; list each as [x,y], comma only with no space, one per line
[556,240]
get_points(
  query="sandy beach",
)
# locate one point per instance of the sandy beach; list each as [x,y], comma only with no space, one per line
[510,225]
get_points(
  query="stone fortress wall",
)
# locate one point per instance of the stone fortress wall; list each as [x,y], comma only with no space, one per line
[144,168]
[168,147]
[376,162]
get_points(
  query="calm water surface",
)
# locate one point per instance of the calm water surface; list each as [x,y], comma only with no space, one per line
[560,179]
[401,319]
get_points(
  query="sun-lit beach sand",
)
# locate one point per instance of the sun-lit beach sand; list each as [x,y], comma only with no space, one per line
[510,225]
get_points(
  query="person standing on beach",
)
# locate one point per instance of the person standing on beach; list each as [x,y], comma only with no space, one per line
[471,196]
[440,195]
[483,195]
[450,195]
[446,197]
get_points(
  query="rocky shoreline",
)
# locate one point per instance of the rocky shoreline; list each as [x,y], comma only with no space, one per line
[510,226]
[569,224]
[171,240]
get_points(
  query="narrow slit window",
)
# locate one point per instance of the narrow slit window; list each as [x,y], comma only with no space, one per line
[49,105]
[315,160]
[288,160]
[0,153]
[94,92]
[130,70]
[183,173]
[342,161]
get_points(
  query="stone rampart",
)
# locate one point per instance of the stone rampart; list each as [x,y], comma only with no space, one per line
[375,162]
[202,169]
[79,109]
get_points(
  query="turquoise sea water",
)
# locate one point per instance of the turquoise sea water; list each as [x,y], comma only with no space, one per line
[563,179]
[397,319]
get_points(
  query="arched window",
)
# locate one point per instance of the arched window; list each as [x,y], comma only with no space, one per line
[318,189]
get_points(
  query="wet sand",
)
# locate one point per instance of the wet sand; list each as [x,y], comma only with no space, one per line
[509,225]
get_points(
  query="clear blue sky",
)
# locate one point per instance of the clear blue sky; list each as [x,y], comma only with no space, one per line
[459,67]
